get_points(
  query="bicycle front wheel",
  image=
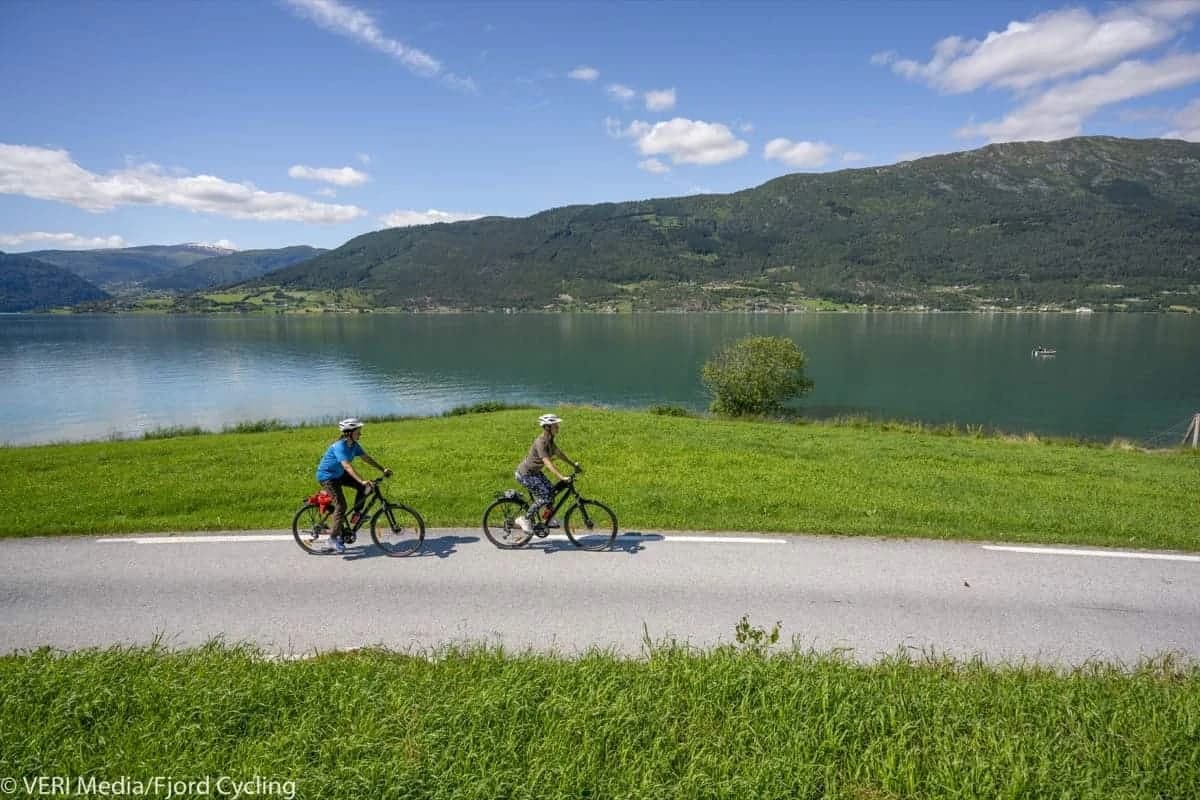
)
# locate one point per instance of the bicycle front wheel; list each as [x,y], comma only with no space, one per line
[591,525]
[500,523]
[311,529]
[397,530]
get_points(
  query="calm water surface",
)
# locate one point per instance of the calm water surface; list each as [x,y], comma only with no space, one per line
[92,377]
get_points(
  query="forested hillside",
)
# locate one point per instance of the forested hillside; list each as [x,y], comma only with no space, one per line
[1093,220]
[240,266]
[120,267]
[27,284]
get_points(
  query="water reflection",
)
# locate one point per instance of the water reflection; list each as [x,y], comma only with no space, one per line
[90,377]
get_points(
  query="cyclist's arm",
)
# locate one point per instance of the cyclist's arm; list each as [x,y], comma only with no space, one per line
[374,463]
[566,458]
[350,471]
[549,464]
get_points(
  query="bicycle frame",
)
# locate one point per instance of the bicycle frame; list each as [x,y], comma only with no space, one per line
[562,495]
[373,499]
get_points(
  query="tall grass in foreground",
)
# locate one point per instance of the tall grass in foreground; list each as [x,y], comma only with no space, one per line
[677,724]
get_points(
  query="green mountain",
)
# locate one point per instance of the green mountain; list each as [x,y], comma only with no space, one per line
[232,268]
[27,284]
[1097,220]
[128,265]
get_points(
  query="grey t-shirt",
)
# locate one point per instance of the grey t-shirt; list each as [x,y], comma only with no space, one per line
[543,447]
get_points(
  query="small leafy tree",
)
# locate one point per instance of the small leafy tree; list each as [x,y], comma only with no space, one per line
[755,375]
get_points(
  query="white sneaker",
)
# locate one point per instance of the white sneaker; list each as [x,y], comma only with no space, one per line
[523,523]
[553,523]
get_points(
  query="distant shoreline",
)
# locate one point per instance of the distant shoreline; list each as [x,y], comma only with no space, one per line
[597,312]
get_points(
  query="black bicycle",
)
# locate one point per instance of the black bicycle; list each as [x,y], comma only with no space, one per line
[589,524]
[396,529]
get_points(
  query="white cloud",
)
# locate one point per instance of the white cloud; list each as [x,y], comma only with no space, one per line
[1170,9]
[798,154]
[746,127]
[59,241]
[853,157]
[1054,45]
[620,92]
[685,141]
[1188,122]
[52,175]
[359,25]
[660,99]
[340,176]
[364,158]
[1060,112]
[328,191]
[402,218]
[654,165]
[584,73]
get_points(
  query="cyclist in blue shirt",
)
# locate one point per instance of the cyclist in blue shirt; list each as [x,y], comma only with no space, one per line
[335,471]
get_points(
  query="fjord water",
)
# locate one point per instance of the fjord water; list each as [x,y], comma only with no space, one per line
[71,378]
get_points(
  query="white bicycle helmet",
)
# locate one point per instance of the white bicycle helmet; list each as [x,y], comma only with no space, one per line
[350,424]
[548,419]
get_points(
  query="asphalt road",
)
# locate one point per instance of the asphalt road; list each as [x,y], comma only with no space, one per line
[869,595]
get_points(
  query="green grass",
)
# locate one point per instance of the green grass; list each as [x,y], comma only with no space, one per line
[731,722]
[658,472]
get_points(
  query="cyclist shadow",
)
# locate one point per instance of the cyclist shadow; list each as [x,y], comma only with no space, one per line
[628,542]
[444,546]
[436,547]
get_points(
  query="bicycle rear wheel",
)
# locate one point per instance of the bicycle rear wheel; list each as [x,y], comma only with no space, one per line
[312,528]
[591,525]
[500,523]
[397,530]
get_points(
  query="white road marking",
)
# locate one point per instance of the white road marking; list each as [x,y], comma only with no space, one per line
[287,537]
[280,537]
[1060,551]
[725,539]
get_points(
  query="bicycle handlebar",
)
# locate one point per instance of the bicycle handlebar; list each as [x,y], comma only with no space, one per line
[376,481]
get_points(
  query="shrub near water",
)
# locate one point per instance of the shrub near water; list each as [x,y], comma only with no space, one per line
[756,375]
[732,722]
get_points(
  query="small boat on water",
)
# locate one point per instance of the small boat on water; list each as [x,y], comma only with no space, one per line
[1042,350]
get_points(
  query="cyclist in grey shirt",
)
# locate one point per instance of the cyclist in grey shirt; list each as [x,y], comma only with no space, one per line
[529,472]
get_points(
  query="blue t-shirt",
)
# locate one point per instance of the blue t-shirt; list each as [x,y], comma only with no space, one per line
[330,468]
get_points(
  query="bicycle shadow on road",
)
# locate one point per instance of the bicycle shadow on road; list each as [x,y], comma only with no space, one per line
[629,542]
[435,547]
[444,546]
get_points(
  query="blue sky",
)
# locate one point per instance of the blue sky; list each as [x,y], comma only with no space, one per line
[280,122]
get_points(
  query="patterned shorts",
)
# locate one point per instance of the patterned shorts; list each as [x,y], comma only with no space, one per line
[538,485]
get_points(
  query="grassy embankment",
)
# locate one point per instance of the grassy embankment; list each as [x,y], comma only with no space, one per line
[658,472]
[736,721]
[733,722]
